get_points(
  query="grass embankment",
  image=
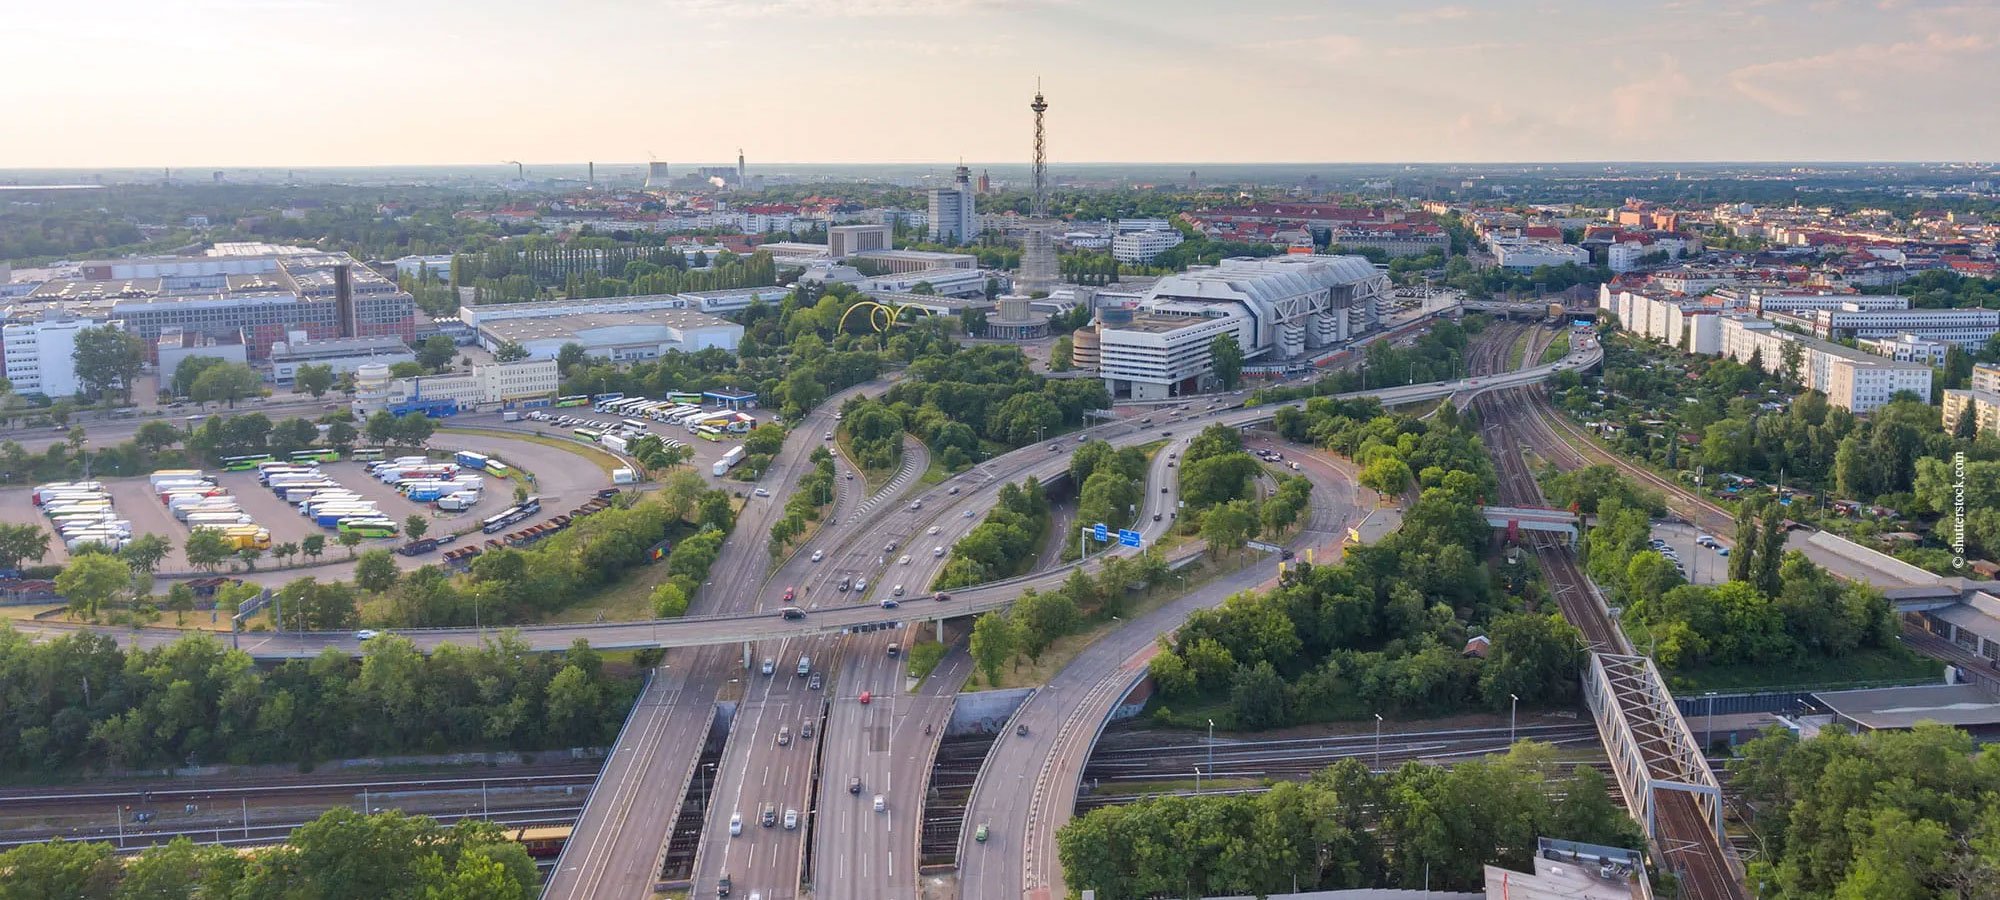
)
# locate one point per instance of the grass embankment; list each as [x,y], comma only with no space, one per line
[1557,349]
[1860,669]
[1024,672]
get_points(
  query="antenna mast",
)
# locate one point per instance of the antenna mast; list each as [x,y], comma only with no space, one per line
[1040,210]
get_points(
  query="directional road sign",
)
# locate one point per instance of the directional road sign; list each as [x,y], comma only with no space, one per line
[1100,532]
[1128,537]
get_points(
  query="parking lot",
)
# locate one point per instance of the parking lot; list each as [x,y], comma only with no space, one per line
[1703,565]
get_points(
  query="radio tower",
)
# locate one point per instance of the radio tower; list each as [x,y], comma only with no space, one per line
[1040,210]
[1038,253]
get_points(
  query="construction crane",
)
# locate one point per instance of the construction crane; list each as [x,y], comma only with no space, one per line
[520,171]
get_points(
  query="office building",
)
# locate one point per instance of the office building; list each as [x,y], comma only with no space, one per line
[1279,309]
[1850,379]
[843,241]
[944,282]
[1139,247]
[1958,326]
[528,382]
[1762,301]
[953,216]
[177,347]
[40,352]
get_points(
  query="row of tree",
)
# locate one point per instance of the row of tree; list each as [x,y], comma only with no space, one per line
[342,854]
[80,701]
[814,492]
[1006,543]
[1419,826]
[1040,618]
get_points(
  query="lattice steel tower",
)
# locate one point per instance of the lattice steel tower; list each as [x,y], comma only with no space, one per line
[1040,210]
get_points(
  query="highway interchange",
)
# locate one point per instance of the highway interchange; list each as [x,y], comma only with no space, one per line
[616,847]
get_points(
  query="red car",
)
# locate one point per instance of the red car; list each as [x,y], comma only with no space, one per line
[866,696]
[790,594]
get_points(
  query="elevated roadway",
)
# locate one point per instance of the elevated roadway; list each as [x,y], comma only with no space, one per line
[743,556]
[1028,786]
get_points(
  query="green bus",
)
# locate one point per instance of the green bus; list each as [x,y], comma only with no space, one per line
[683,397]
[244,463]
[574,400]
[324,455]
[366,454]
[588,434]
[368,528]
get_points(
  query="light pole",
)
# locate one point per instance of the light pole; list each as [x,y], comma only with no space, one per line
[1378,741]
[1211,748]
[1513,707]
[1709,740]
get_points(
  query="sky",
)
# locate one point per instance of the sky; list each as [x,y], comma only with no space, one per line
[378,82]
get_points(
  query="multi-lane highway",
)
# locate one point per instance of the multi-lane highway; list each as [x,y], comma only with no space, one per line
[1029,782]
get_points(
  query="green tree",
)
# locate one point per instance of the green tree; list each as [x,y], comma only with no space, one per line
[58,870]
[108,359]
[340,435]
[226,382]
[436,352]
[313,545]
[375,572]
[381,428]
[1061,357]
[155,436]
[206,548]
[569,356]
[416,526]
[510,351]
[190,368]
[314,380]
[995,639]
[90,581]
[180,601]
[669,601]
[1257,697]
[22,542]
[181,869]
[145,552]
[350,540]
[1227,357]
[1041,618]
[1229,526]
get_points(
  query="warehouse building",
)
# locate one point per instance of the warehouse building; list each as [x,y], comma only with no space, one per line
[617,328]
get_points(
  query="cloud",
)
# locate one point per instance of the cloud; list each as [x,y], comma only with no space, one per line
[1866,77]
[852,8]
[1433,16]
[1329,46]
[1648,107]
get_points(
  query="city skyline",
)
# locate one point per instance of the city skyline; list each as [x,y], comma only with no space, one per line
[313,83]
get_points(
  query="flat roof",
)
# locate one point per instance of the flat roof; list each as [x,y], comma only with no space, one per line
[544,328]
[1961,705]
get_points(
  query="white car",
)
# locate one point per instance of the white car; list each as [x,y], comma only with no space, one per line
[904,561]
[818,555]
[367,634]
[968,514]
[829,435]
[735,824]
[880,804]
[860,584]
[761,492]
[934,530]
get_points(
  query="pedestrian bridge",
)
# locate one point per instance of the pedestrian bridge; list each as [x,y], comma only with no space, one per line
[1517,519]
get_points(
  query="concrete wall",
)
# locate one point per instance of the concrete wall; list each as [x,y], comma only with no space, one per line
[984,712]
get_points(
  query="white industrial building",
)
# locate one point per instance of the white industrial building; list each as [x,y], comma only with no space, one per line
[618,328]
[40,352]
[946,282]
[342,354]
[1850,379]
[1524,256]
[1958,326]
[521,383]
[1763,301]
[1139,247]
[954,217]
[1279,309]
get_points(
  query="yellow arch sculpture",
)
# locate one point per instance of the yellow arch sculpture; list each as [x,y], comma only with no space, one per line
[881,316]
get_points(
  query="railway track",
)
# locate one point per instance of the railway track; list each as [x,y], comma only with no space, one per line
[1515,422]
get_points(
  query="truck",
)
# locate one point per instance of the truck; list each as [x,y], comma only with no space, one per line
[728,461]
[510,416]
[623,476]
[471,460]
[614,443]
[418,548]
[175,475]
[462,500]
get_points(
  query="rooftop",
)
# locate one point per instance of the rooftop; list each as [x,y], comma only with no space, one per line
[555,327]
[1961,705]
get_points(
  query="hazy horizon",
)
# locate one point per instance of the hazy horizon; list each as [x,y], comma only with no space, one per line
[313,83]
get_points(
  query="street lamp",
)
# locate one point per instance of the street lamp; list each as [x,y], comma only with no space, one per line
[1378,741]
[1211,748]
[1513,707]
[1709,739]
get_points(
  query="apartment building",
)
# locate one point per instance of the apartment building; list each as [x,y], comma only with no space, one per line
[953,215]
[1909,348]
[1957,326]
[1982,401]
[1850,379]
[1676,322]
[1528,255]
